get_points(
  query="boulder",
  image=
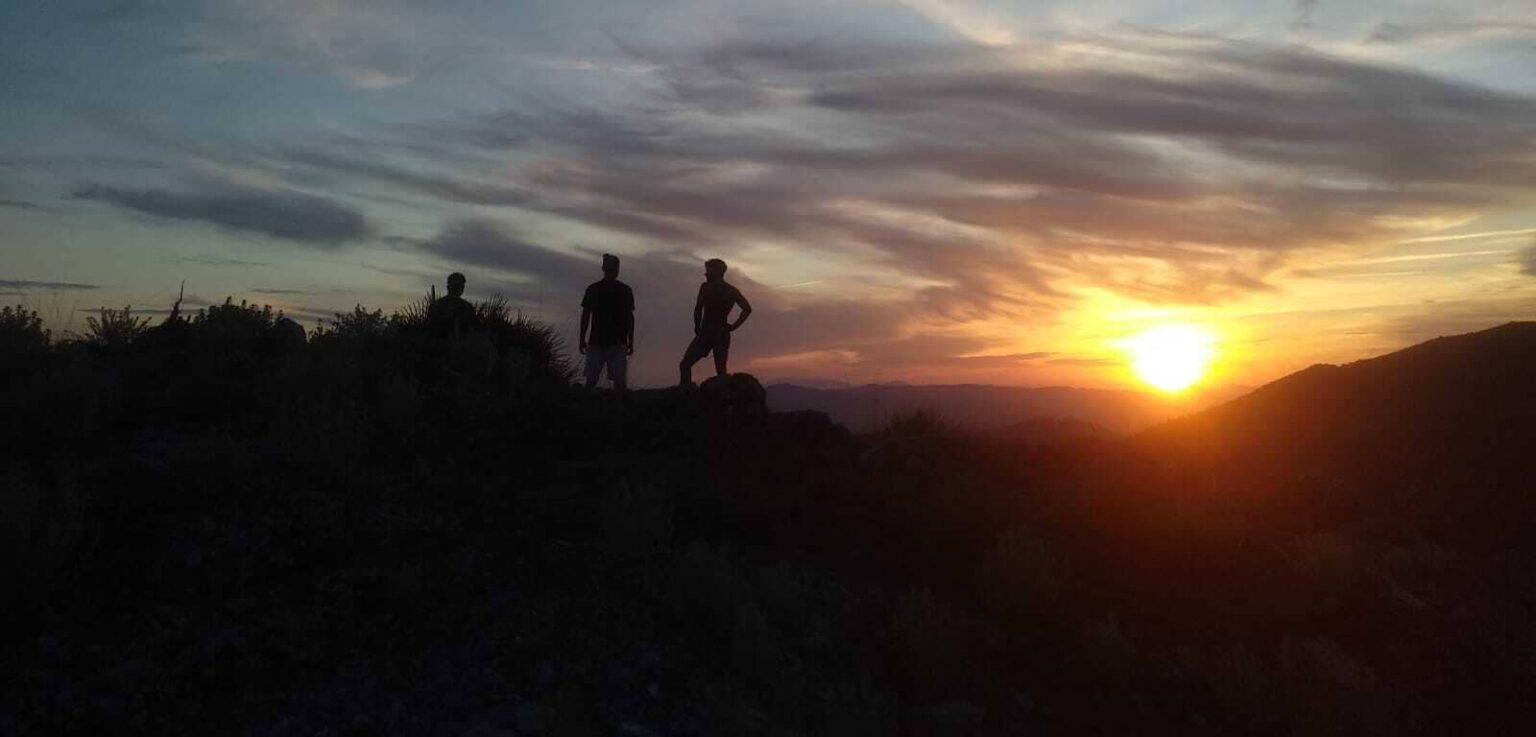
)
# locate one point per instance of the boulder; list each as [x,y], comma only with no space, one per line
[736,394]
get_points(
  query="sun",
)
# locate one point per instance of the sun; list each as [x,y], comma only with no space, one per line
[1171,357]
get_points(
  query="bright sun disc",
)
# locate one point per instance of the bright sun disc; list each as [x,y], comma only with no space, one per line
[1171,357]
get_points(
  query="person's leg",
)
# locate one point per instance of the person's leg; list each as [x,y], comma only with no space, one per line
[594,367]
[696,350]
[722,352]
[618,368]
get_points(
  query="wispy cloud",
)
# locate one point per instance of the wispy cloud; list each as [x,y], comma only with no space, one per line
[988,184]
[22,286]
[209,261]
[968,19]
[1448,32]
[22,205]
[307,219]
[1472,236]
[370,45]
[1527,260]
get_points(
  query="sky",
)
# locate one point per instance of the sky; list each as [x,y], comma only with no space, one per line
[930,191]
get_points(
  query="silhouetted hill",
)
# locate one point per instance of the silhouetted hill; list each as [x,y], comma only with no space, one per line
[1435,438]
[373,530]
[981,406]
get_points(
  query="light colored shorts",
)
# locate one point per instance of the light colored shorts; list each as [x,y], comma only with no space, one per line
[612,356]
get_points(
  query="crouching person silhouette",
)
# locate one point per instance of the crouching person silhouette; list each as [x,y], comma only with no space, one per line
[608,309]
[711,327]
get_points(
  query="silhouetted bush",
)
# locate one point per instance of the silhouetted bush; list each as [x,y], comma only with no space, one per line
[115,328]
[21,330]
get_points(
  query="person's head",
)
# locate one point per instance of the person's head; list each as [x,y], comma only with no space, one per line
[456,284]
[714,269]
[610,266]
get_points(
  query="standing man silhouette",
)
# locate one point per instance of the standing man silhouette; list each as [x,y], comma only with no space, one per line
[451,315]
[608,308]
[711,330]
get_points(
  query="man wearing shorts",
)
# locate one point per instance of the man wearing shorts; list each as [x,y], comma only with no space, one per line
[711,327]
[608,309]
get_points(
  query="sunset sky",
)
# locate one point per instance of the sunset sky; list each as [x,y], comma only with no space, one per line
[918,190]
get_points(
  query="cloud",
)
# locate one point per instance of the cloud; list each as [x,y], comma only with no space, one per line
[219,261]
[993,179]
[964,18]
[1527,260]
[1302,19]
[369,45]
[1450,32]
[956,183]
[1421,322]
[478,243]
[22,205]
[307,219]
[22,286]
[278,292]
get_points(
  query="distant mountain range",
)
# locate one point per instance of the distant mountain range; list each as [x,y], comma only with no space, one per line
[979,406]
[1437,438]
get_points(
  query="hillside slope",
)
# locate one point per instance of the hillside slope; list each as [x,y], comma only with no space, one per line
[1436,436]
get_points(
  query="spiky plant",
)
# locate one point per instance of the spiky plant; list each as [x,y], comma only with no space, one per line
[115,328]
[533,347]
[412,315]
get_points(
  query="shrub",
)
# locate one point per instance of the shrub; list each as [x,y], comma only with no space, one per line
[359,323]
[21,330]
[115,328]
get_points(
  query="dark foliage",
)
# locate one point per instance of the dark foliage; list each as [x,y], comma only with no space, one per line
[115,328]
[376,532]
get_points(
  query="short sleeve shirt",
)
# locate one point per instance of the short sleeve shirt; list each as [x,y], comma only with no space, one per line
[611,303]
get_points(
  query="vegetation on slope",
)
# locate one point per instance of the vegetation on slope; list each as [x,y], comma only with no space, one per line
[213,528]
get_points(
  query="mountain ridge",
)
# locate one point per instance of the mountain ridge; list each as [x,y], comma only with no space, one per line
[1433,430]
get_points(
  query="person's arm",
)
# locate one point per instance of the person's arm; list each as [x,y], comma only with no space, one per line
[629,322]
[698,312]
[629,333]
[746,310]
[581,337]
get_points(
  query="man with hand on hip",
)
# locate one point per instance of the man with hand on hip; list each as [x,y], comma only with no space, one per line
[712,326]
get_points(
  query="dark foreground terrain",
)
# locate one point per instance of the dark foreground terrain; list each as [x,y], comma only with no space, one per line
[213,528]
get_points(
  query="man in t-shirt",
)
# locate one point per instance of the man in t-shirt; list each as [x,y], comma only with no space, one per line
[608,309]
[711,328]
[451,315]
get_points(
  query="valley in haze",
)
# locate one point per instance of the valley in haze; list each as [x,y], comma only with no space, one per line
[983,407]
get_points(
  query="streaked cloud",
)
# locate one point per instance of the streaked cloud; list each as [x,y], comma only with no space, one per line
[948,187]
[308,219]
[1451,31]
[21,286]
